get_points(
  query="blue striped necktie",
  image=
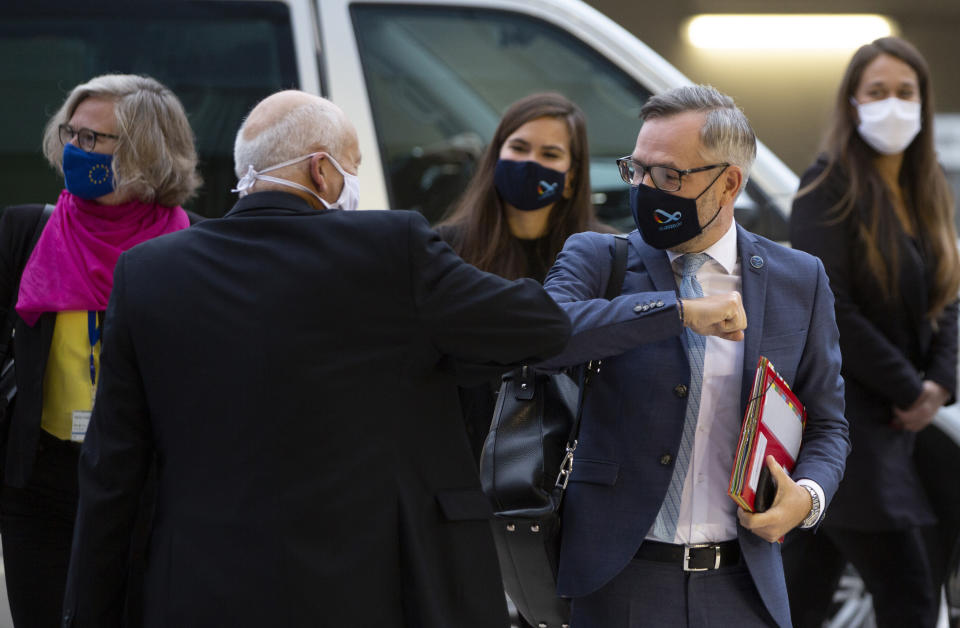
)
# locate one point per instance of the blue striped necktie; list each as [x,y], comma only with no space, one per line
[665,526]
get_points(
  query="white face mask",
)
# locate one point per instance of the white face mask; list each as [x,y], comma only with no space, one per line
[888,125]
[350,194]
[349,199]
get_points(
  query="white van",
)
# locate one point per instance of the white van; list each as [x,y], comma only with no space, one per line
[425,83]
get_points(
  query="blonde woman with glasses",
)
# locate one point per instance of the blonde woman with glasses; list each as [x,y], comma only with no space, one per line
[126,152]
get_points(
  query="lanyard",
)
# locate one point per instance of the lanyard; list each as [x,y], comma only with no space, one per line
[94,333]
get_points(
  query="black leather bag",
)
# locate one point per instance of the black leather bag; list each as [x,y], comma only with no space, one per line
[527,458]
[526,445]
[8,371]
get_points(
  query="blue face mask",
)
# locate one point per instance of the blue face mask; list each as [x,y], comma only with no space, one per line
[527,185]
[87,175]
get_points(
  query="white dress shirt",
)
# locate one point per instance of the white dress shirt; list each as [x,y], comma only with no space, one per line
[707,513]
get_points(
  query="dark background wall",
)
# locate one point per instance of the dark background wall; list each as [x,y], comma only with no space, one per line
[788,95]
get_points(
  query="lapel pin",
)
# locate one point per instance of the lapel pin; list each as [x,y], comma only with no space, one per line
[756,261]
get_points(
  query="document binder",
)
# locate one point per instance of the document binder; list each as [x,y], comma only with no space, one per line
[772,425]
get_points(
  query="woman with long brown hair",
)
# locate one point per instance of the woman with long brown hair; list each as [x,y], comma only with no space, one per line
[876,208]
[531,191]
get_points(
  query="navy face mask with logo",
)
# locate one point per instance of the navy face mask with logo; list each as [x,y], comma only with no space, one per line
[527,185]
[666,220]
[87,175]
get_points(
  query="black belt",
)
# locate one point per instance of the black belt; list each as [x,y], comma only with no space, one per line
[700,557]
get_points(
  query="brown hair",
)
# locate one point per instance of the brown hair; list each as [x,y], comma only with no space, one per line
[926,190]
[155,159]
[478,224]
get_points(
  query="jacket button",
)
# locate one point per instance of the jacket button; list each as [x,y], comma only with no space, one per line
[680,390]
[639,308]
[665,459]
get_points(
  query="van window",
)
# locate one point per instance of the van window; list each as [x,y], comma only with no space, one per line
[219,58]
[439,79]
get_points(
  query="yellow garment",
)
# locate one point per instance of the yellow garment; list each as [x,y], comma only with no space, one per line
[66,383]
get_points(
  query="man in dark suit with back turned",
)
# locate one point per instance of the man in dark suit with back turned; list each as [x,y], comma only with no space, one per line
[650,537]
[291,367]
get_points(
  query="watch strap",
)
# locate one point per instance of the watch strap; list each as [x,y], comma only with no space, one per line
[814,514]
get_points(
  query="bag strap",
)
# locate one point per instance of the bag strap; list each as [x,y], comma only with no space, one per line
[11,318]
[618,271]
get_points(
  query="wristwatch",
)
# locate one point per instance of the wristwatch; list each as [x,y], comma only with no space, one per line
[814,508]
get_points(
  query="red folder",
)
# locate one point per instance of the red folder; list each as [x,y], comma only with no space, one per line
[772,425]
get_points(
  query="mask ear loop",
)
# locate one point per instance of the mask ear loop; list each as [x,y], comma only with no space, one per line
[717,213]
[247,181]
[250,178]
[293,184]
[350,181]
[333,161]
[856,109]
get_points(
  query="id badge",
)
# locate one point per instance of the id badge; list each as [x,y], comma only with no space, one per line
[81,421]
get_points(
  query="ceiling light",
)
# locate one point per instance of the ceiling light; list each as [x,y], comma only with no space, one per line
[782,31]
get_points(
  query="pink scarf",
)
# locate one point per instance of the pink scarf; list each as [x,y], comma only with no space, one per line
[71,268]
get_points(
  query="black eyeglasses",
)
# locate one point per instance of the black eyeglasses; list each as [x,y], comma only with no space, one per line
[86,138]
[664,178]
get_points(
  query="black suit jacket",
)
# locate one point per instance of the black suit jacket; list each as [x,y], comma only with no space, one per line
[889,347]
[293,371]
[31,344]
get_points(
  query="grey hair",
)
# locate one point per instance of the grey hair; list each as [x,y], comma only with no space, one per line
[155,159]
[726,133]
[316,124]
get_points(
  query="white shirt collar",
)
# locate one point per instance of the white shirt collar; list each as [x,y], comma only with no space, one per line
[723,251]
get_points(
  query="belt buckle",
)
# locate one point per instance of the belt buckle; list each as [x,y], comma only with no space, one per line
[686,556]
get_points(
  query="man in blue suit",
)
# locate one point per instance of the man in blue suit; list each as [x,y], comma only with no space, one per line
[650,536]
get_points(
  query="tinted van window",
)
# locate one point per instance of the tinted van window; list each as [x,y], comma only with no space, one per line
[220,58]
[440,78]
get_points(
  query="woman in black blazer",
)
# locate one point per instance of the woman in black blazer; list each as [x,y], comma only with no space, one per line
[125,148]
[876,208]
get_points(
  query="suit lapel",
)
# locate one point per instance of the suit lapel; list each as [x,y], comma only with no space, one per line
[753,274]
[46,323]
[655,262]
[913,287]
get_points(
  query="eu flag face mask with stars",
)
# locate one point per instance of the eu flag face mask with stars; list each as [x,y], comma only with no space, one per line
[87,175]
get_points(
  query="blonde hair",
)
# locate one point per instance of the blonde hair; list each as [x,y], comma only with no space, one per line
[155,159]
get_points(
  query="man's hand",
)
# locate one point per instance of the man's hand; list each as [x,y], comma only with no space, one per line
[921,412]
[790,507]
[719,315]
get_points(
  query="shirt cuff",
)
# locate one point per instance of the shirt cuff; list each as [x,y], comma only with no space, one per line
[816,487]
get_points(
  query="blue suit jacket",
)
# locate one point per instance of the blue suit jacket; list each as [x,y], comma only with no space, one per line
[634,410]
